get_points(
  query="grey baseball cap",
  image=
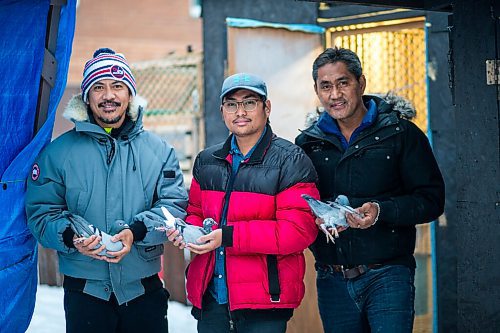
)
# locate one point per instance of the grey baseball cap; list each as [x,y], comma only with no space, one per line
[243,81]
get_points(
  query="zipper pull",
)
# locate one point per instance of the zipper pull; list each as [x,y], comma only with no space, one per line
[111,152]
[231,325]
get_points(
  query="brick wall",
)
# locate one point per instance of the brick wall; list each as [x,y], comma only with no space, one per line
[141,30]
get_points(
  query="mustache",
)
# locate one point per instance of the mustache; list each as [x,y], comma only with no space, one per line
[109,102]
[239,118]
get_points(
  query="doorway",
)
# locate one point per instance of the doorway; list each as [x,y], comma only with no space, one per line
[393,57]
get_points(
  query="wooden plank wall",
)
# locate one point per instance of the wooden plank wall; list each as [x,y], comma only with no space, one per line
[306,316]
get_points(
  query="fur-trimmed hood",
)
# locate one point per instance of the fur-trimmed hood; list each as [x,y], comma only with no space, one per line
[76,110]
[400,105]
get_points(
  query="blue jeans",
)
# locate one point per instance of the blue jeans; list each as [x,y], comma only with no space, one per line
[381,300]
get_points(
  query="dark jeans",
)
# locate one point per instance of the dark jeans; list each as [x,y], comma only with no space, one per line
[215,319]
[381,300]
[88,314]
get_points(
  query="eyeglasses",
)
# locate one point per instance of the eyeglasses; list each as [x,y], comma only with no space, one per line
[232,106]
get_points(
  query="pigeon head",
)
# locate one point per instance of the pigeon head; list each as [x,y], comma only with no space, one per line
[342,200]
[207,224]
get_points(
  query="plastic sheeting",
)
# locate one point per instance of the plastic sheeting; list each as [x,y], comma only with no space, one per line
[248,23]
[23,29]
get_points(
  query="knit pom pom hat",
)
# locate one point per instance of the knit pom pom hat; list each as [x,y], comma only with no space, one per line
[107,64]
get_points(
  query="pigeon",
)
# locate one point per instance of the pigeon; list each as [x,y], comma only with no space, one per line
[82,229]
[190,233]
[332,213]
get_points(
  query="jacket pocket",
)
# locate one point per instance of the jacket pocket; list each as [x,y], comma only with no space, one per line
[378,166]
[149,253]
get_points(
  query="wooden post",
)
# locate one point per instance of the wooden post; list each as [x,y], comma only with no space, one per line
[306,316]
[174,267]
[48,271]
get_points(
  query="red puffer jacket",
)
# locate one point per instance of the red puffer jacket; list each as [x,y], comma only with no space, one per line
[268,224]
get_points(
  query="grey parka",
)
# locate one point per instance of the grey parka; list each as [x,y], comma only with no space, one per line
[111,183]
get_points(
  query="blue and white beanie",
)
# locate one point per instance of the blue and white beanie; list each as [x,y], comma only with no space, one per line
[107,64]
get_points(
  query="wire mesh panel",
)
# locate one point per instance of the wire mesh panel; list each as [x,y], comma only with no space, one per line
[392,55]
[173,89]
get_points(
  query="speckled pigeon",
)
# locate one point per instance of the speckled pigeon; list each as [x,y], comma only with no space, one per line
[82,229]
[332,213]
[190,233]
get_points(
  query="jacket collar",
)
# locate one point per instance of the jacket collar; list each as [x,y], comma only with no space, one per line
[259,152]
[390,108]
[385,104]
[329,125]
[77,112]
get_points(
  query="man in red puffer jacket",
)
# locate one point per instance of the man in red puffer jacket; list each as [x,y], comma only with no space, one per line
[248,274]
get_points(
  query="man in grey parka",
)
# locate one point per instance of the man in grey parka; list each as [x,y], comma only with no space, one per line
[115,175]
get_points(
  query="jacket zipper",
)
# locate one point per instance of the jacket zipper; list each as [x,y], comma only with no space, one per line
[223,214]
[231,323]
[227,196]
[111,153]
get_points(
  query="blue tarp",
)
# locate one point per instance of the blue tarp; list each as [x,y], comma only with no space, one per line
[22,42]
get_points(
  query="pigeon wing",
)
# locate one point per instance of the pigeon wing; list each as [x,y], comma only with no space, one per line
[191,233]
[79,225]
[169,218]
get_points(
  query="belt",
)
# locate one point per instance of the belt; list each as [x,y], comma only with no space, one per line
[349,271]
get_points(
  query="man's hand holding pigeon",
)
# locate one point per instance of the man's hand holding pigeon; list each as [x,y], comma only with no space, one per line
[208,242]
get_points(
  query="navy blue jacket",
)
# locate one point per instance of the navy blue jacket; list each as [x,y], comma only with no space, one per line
[390,162]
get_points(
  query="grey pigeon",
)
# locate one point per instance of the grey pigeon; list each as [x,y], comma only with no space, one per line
[82,229]
[332,213]
[190,233]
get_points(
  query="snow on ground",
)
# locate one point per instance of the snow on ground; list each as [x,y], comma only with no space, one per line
[49,313]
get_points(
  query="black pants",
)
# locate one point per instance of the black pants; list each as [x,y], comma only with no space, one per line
[88,314]
[215,318]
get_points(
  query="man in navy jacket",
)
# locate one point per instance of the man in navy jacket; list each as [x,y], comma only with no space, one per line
[365,147]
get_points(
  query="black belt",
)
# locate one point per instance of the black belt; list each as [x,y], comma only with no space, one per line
[349,271]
